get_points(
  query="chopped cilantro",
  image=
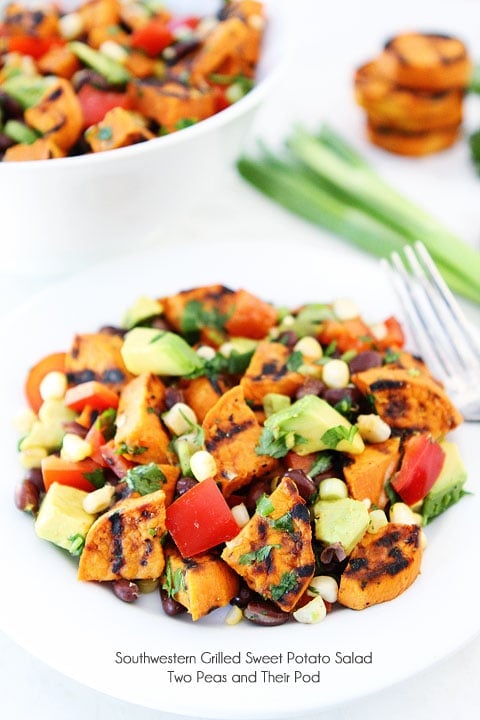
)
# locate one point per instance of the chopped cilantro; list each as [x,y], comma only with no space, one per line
[145,479]
[277,447]
[196,316]
[330,349]
[391,356]
[323,463]
[284,522]
[235,364]
[96,477]
[174,582]
[295,361]
[256,555]
[332,437]
[106,423]
[124,449]
[264,506]
[288,582]
[185,122]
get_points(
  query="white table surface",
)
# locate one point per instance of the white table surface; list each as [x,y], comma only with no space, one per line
[28,688]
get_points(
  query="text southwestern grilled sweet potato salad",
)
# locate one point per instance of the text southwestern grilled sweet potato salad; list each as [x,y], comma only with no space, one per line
[115,73]
[229,452]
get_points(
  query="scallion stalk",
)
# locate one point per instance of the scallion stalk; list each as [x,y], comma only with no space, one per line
[324,180]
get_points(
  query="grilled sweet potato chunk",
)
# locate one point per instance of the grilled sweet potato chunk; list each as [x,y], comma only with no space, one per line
[381,566]
[58,115]
[231,434]
[140,435]
[273,552]
[97,356]
[208,305]
[268,373]
[125,541]
[119,128]
[203,583]
[202,393]
[367,473]
[412,144]
[409,400]
[426,60]
[41,149]
[170,102]
[232,43]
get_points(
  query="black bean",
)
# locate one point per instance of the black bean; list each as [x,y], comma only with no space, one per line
[184,484]
[365,361]
[27,497]
[112,330]
[12,110]
[336,395]
[173,396]
[170,606]
[74,428]
[311,386]
[244,596]
[263,612]
[5,142]
[289,338]
[259,487]
[305,486]
[176,52]
[35,476]
[90,77]
[126,590]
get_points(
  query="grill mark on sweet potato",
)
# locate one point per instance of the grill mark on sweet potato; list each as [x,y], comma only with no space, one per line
[116,524]
[305,570]
[222,435]
[379,385]
[147,552]
[300,512]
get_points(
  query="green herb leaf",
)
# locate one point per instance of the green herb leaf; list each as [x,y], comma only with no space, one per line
[196,316]
[295,361]
[256,555]
[284,522]
[96,477]
[277,447]
[106,423]
[332,437]
[185,123]
[391,357]
[145,479]
[288,582]
[124,449]
[323,463]
[173,582]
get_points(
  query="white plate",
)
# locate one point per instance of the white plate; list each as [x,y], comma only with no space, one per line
[78,628]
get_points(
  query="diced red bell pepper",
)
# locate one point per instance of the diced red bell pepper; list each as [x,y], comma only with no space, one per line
[96,103]
[200,519]
[92,393]
[64,472]
[152,38]
[177,22]
[55,362]
[421,465]
[220,97]
[33,46]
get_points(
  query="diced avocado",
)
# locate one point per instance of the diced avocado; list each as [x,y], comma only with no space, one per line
[158,351]
[111,70]
[143,309]
[308,320]
[448,487]
[308,425]
[61,518]
[20,132]
[49,429]
[274,402]
[342,521]
[242,345]
[27,90]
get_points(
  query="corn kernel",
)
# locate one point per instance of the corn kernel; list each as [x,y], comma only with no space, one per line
[401,513]
[325,586]
[345,309]
[180,418]
[203,465]
[99,500]
[147,586]
[332,489]
[240,514]
[372,428]
[309,347]
[71,25]
[234,616]
[336,373]
[377,520]
[114,50]
[313,612]
[206,352]
[75,448]
[31,458]
[53,386]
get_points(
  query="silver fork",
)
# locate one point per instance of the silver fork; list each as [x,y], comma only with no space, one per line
[442,333]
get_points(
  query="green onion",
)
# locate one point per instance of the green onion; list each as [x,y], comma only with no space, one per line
[324,180]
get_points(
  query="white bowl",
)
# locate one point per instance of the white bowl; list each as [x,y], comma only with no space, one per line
[64,214]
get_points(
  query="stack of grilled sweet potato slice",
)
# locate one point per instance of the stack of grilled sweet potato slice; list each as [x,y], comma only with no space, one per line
[413,93]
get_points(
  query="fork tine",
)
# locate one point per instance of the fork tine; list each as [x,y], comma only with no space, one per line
[452,314]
